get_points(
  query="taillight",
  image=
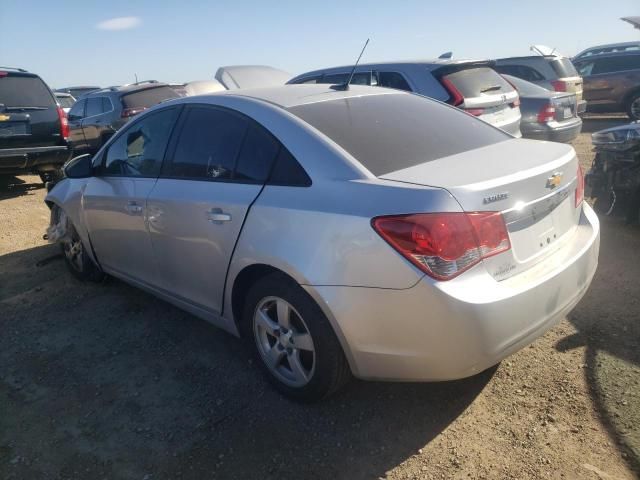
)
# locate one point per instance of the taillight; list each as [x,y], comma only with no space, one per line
[579,188]
[4,74]
[456,97]
[476,112]
[547,114]
[515,103]
[443,245]
[64,123]
[130,112]
[559,85]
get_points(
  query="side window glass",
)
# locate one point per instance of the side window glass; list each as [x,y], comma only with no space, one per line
[106,105]
[334,78]
[585,69]
[393,80]
[259,149]
[309,80]
[77,111]
[209,144]
[287,171]
[94,106]
[138,151]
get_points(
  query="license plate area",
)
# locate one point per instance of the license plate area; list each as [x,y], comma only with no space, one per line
[12,129]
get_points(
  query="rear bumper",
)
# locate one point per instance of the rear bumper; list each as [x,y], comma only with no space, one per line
[448,330]
[554,132]
[20,160]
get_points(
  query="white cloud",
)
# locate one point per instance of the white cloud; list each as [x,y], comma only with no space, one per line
[119,23]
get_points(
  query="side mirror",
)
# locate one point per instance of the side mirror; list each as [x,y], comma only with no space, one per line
[79,167]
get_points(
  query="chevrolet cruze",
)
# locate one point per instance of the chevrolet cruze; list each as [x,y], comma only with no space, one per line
[367,232]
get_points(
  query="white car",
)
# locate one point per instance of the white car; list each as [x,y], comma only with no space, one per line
[366,231]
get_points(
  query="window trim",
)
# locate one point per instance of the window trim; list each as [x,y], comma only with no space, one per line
[83,101]
[101,167]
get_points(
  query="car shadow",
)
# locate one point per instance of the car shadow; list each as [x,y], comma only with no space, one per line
[607,326]
[105,381]
[11,186]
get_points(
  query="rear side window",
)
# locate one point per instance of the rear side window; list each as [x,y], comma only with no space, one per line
[393,80]
[360,78]
[390,132]
[209,143]
[24,91]
[148,97]
[475,82]
[139,150]
[287,171]
[94,106]
[615,64]
[563,67]
[258,151]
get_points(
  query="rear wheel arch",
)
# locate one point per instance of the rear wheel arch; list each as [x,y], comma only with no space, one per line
[628,98]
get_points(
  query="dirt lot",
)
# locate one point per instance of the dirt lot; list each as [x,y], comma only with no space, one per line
[104,381]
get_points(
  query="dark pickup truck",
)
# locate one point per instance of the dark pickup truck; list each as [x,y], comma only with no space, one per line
[33,128]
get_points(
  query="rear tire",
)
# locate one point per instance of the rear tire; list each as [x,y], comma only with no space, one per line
[51,176]
[633,106]
[292,340]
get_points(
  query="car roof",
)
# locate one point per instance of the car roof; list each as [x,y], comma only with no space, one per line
[436,62]
[530,57]
[288,96]
[129,88]
[61,94]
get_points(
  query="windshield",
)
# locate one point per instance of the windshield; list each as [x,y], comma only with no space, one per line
[24,91]
[390,132]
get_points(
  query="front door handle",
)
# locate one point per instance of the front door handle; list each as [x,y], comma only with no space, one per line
[216,215]
[133,208]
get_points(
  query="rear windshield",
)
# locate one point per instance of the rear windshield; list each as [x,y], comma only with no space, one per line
[563,67]
[390,132]
[475,82]
[24,91]
[148,97]
[65,102]
[526,88]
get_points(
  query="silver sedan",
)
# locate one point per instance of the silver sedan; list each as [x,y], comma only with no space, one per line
[366,232]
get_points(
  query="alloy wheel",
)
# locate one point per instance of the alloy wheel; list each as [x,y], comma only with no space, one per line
[284,341]
[635,109]
[73,251]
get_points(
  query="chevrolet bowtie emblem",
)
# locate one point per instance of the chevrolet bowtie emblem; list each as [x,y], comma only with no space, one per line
[4,118]
[554,180]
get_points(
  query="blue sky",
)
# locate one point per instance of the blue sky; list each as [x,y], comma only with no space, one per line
[189,40]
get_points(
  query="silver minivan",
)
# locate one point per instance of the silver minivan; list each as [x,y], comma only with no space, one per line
[470,85]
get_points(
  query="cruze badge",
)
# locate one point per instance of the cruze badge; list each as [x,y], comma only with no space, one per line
[554,180]
[495,198]
[4,118]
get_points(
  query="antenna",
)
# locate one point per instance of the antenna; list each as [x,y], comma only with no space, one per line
[345,86]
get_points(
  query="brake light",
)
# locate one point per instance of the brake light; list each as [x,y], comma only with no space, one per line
[64,123]
[4,74]
[130,112]
[547,114]
[443,245]
[515,103]
[559,85]
[579,188]
[476,112]
[456,97]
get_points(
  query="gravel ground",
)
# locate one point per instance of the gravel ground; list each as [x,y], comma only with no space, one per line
[104,381]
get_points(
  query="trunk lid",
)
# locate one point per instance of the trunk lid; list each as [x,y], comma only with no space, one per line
[566,107]
[531,183]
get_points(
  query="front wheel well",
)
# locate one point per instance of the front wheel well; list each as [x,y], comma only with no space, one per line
[629,95]
[243,282]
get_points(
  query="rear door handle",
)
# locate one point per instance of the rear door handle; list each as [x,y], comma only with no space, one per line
[133,207]
[216,215]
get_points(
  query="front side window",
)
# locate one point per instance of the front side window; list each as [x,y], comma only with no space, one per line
[585,68]
[94,106]
[77,111]
[138,151]
[209,143]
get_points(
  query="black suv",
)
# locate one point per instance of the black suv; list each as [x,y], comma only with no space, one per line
[33,128]
[96,116]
